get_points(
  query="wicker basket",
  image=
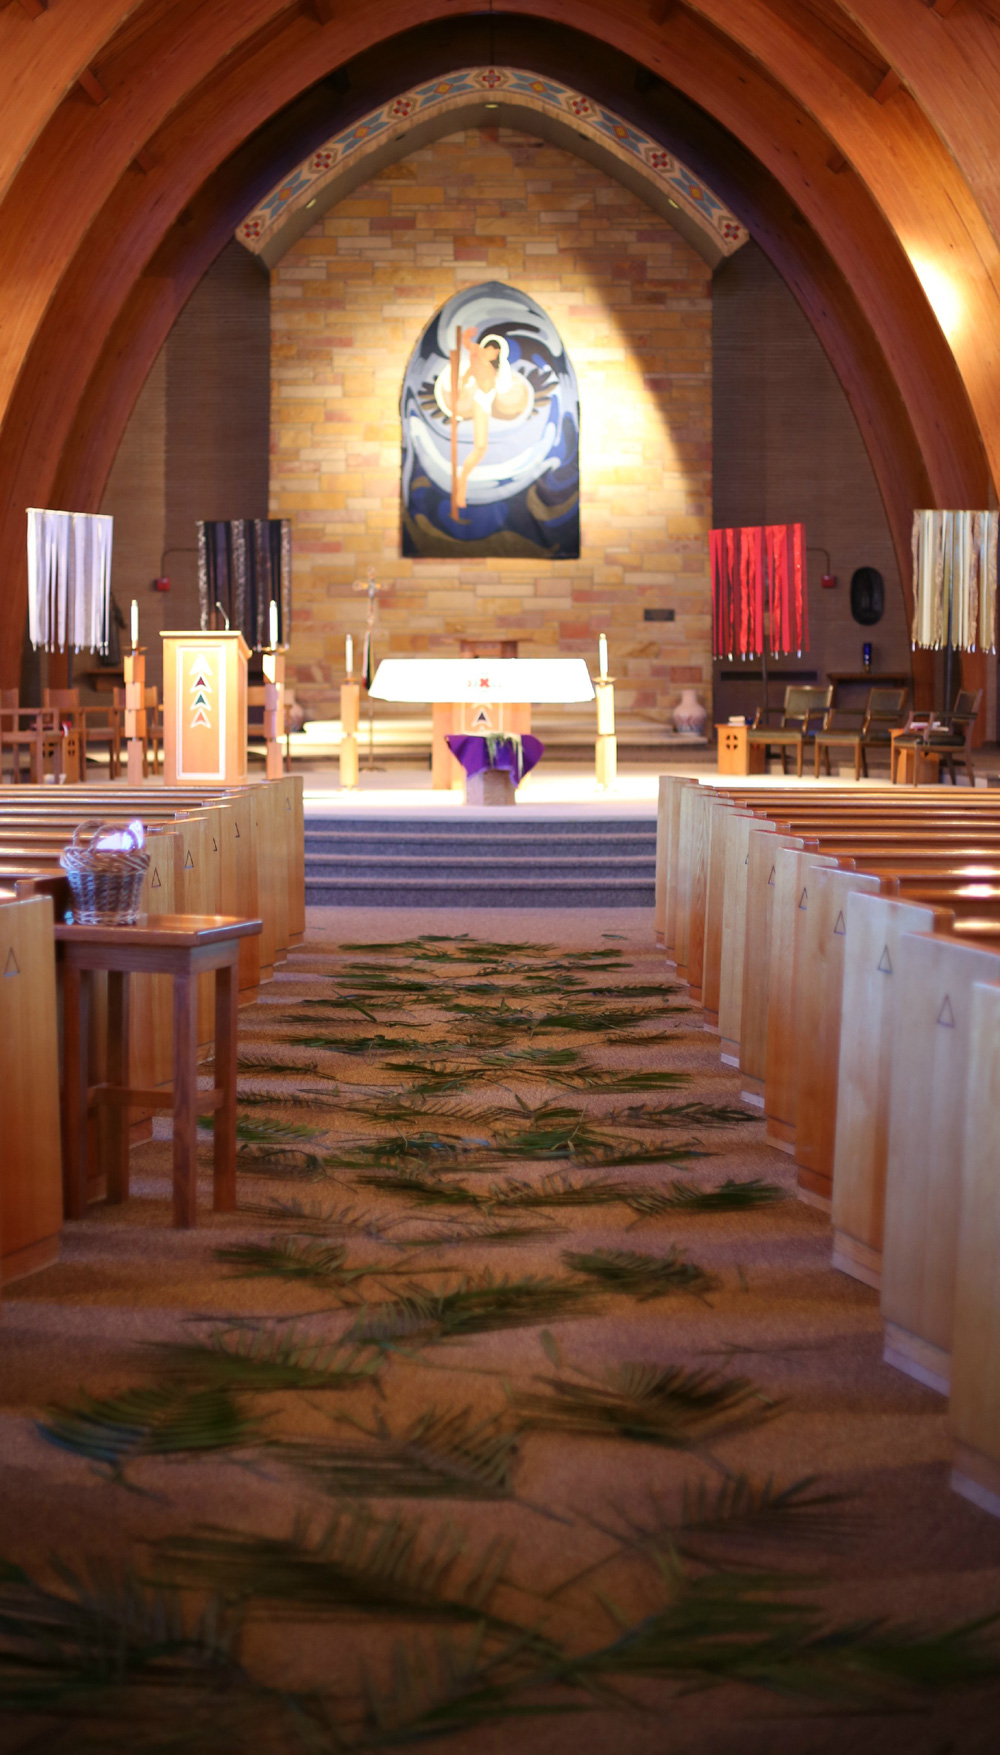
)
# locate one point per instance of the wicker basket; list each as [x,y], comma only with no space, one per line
[106,884]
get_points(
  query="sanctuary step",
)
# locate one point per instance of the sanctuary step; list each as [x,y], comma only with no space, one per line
[528,863]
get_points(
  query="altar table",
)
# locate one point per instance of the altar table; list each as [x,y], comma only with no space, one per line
[479,695]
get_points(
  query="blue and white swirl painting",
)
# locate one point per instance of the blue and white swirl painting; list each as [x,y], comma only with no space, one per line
[504,477]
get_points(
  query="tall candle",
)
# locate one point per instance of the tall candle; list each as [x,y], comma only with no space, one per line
[135,624]
[602,647]
[349,654]
[273,613]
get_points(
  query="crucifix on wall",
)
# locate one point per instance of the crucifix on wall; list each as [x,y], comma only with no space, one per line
[371,588]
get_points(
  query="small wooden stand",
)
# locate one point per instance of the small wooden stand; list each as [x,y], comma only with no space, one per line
[274,712]
[135,714]
[350,719]
[606,746]
[737,755]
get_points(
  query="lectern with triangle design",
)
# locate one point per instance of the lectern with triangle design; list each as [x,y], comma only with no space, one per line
[205,708]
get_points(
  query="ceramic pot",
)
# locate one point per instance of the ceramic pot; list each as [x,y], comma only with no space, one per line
[689,714]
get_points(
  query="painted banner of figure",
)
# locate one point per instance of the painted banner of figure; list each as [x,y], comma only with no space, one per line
[504,477]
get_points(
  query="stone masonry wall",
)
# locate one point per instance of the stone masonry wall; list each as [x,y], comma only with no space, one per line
[633,303]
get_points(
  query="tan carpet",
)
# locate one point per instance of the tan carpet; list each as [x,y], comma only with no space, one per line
[581,1547]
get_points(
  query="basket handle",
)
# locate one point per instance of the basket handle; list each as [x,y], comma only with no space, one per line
[97,825]
[93,824]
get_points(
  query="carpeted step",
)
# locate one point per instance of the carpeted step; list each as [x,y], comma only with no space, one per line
[482,892]
[474,861]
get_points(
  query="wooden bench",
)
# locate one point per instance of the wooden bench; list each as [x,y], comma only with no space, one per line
[30,1164]
[931,1052]
[975,1335]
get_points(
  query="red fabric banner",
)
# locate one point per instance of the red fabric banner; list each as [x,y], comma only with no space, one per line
[752,566]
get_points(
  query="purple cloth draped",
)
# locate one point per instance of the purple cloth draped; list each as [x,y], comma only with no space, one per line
[473,753]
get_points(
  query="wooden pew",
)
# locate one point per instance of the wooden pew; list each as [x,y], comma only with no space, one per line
[790,908]
[875,925]
[975,1343]
[763,849]
[931,1051]
[31,1162]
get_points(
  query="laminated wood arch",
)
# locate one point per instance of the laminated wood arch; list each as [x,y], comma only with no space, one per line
[136,137]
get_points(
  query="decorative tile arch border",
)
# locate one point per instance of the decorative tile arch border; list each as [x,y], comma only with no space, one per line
[634,149]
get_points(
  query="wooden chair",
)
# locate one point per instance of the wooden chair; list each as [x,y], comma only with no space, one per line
[93,725]
[35,729]
[882,714]
[950,743]
[801,707]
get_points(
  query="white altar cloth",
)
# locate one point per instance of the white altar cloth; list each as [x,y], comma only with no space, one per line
[504,680]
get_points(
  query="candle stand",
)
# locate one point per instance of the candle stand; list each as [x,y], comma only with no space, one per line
[606,745]
[350,719]
[274,712]
[135,714]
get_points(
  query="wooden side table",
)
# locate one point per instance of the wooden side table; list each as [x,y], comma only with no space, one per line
[910,765]
[183,946]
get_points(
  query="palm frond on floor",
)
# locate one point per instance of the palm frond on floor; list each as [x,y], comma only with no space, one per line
[478,1305]
[646,1404]
[703,1115]
[639,1276]
[720,1626]
[437,1456]
[358,1565]
[280,1162]
[169,1419]
[319,1219]
[109,1662]
[295,1099]
[349,1044]
[724,1521]
[262,1063]
[319,1264]
[731,1196]
[451,1684]
[490,1230]
[262,1361]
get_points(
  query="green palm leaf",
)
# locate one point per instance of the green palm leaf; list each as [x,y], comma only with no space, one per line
[164,1420]
[479,1304]
[261,1361]
[438,1456]
[641,1276]
[646,1404]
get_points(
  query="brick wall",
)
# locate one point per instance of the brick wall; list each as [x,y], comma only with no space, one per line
[633,303]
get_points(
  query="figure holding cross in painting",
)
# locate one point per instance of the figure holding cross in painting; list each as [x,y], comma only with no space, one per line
[488,384]
[490,429]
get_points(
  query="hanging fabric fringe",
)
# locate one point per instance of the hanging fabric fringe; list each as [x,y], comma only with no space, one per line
[955,564]
[69,580]
[246,565]
[751,566]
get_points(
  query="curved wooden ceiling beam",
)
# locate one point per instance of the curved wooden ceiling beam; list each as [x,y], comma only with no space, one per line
[42,59]
[910,174]
[951,64]
[86,149]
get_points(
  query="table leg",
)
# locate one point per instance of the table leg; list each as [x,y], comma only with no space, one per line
[185,1098]
[76,1010]
[118,1074]
[226,1026]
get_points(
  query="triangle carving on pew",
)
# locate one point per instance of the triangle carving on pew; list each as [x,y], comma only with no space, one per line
[189,861]
[237,828]
[839,929]
[804,900]
[215,845]
[885,962]
[946,1016]
[154,882]
[770,880]
[12,966]
[746,859]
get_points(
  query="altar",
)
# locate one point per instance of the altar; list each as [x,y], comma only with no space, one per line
[479,696]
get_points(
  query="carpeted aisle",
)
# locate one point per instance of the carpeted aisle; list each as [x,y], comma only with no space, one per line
[518,1403]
